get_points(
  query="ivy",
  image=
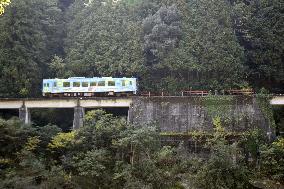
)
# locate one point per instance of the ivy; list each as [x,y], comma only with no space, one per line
[200,135]
[263,101]
[219,106]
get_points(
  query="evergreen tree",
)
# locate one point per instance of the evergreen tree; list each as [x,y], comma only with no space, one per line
[264,43]
[103,39]
[28,39]
[209,55]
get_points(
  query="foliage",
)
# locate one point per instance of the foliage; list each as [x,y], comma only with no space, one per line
[29,36]
[94,165]
[272,161]
[263,24]
[58,67]
[142,142]
[251,142]
[204,51]
[32,143]
[169,45]
[109,153]
[3,4]
[162,38]
[47,132]
[62,140]
[221,169]
[219,107]
[263,100]
[221,172]
[93,116]
[13,136]
[161,33]
[24,166]
[279,143]
[107,43]
[91,163]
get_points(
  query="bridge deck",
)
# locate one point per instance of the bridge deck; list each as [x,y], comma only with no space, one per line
[94,102]
[277,100]
[65,103]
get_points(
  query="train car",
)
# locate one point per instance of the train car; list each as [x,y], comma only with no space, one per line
[96,86]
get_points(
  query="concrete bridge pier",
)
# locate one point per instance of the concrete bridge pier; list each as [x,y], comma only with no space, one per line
[25,115]
[79,113]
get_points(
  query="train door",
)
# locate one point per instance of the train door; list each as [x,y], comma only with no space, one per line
[47,87]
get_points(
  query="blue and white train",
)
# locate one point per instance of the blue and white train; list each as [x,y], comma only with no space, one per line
[96,86]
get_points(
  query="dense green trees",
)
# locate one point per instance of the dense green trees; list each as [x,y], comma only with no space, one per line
[29,37]
[169,45]
[208,49]
[103,39]
[109,153]
[3,4]
[264,49]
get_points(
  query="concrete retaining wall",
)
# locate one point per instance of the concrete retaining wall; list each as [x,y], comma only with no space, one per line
[185,114]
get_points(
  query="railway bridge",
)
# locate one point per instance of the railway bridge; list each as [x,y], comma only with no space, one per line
[171,111]
[78,104]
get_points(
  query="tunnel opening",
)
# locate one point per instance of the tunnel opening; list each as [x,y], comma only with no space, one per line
[278,115]
[8,113]
[61,117]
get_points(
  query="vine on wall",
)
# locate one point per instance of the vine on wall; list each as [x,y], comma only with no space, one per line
[263,101]
[219,106]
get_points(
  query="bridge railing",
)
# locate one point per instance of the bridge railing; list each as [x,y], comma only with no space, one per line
[198,92]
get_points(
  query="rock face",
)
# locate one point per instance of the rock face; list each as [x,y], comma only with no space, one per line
[186,114]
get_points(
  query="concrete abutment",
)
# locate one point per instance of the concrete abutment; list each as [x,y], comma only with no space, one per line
[188,114]
[25,115]
[78,120]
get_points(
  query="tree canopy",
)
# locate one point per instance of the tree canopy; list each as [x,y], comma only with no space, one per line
[3,4]
[168,45]
[108,152]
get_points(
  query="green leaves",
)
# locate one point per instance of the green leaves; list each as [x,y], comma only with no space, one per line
[62,140]
[272,160]
[161,33]
[28,32]
[107,42]
[92,163]
[264,28]
[58,67]
[3,4]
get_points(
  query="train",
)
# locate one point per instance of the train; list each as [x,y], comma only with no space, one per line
[89,87]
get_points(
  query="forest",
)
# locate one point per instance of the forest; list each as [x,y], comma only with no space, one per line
[109,153]
[169,46]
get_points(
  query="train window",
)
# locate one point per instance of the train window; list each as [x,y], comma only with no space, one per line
[111,83]
[123,82]
[101,83]
[85,84]
[130,82]
[47,84]
[66,84]
[54,84]
[76,84]
[93,84]
[44,85]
